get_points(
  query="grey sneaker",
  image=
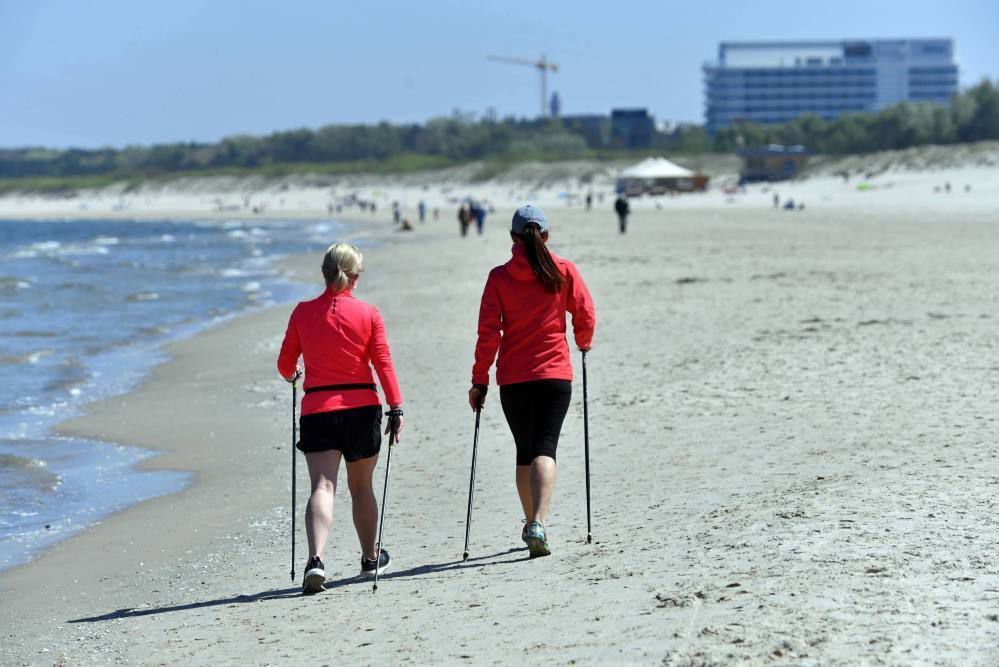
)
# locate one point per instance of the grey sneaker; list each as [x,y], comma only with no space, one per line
[537,541]
[369,566]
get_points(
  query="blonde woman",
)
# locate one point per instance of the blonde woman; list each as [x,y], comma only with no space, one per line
[340,338]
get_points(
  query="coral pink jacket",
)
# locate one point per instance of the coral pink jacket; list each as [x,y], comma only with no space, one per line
[526,323]
[340,338]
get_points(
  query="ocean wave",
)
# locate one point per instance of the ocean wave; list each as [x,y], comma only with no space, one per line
[25,358]
[142,296]
[71,373]
[57,249]
[106,240]
[12,284]
[32,333]
[19,471]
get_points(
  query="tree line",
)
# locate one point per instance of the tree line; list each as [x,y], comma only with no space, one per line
[972,115]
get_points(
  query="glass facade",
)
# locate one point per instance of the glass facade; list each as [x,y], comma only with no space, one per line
[773,82]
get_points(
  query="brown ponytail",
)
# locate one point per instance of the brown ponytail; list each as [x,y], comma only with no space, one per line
[544,267]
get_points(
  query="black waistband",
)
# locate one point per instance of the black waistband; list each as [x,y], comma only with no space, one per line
[340,387]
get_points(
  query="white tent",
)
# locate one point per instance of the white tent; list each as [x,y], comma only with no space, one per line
[657,175]
[656,167]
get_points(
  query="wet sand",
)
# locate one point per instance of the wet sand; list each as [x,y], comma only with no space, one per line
[793,433]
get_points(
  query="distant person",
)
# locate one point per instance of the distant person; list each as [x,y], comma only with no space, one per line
[464,218]
[947,186]
[437,213]
[589,200]
[622,208]
[396,212]
[776,200]
[371,205]
[422,208]
[479,215]
[339,339]
[522,317]
[407,226]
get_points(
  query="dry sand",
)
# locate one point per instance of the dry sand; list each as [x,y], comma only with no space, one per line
[793,427]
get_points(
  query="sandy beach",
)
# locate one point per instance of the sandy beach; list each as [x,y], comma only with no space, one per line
[793,432]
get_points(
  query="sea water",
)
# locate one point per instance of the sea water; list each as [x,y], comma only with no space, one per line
[85,307]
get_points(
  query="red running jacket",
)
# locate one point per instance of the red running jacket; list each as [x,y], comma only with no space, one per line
[526,323]
[340,338]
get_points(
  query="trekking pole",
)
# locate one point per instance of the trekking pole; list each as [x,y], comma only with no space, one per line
[393,416]
[294,459]
[586,447]
[471,483]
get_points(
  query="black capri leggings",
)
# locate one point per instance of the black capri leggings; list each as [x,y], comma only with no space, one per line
[535,412]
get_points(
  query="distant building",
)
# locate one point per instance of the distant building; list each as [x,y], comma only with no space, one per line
[632,128]
[772,163]
[555,105]
[774,82]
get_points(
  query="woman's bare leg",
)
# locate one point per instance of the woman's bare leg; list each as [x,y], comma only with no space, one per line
[542,484]
[359,480]
[524,491]
[323,468]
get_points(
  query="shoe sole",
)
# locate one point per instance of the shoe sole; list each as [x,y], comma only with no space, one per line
[537,547]
[370,574]
[314,582]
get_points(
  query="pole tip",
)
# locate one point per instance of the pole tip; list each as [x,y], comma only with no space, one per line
[374,589]
[464,556]
[589,539]
[293,575]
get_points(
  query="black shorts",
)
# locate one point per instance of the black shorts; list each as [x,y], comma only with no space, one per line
[356,433]
[535,412]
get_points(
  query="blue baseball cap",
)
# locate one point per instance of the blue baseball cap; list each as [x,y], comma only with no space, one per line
[526,215]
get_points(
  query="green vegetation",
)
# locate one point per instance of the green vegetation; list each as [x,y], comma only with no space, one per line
[441,142]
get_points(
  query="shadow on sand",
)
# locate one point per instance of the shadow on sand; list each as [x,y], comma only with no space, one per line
[296,591]
[435,567]
[276,594]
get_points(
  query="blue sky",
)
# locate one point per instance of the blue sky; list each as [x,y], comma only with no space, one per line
[109,72]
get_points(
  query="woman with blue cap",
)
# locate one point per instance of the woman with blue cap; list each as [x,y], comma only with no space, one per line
[522,317]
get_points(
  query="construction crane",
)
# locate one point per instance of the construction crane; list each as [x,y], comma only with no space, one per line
[542,65]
